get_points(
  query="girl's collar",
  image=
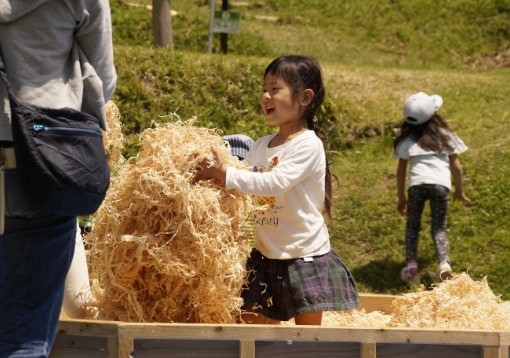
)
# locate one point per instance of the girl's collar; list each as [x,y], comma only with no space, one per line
[280,139]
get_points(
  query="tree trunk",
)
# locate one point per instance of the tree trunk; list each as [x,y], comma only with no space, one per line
[224,36]
[162,23]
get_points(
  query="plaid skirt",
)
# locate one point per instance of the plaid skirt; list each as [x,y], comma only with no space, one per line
[283,289]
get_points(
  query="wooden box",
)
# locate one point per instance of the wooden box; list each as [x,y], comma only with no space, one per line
[102,339]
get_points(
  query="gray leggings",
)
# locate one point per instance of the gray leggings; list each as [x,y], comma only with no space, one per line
[438,195]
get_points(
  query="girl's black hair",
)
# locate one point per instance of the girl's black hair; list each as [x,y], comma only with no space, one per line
[431,135]
[300,73]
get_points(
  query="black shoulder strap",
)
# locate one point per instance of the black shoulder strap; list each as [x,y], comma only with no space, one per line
[3,74]
[2,66]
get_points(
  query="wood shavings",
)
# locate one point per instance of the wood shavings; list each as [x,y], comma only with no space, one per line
[165,248]
[459,303]
[113,139]
[357,319]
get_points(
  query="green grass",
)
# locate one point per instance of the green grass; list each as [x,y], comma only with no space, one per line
[374,53]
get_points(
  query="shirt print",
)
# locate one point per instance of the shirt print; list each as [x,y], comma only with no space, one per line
[264,204]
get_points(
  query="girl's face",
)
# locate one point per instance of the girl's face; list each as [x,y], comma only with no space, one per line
[278,102]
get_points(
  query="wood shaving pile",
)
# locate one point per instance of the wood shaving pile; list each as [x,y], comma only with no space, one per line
[459,303]
[113,139]
[356,319]
[165,248]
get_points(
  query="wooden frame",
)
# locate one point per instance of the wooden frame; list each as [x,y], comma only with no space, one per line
[104,339]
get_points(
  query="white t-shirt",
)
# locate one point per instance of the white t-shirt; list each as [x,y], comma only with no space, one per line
[428,167]
[287,185]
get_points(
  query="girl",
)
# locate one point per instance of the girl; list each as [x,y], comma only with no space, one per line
[292,270]
[432,149]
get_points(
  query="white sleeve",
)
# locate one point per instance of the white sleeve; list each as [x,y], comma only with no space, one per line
[457,144]
[295,163]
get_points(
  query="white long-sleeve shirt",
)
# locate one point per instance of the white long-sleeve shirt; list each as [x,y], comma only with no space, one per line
[287,184]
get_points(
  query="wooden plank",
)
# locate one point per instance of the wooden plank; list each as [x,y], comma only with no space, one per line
[124,347]
[307,333]
[374,302]
[88,328]
[505,344]
[505,338]
[66,346]
[247,349]
[85,338]
[368,350]
[495,352]
[491,352]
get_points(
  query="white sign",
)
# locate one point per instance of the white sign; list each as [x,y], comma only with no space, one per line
[226,22]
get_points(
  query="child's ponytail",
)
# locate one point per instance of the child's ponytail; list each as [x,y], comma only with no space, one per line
[328,186]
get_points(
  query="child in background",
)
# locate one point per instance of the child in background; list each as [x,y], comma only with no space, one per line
[239,144]
[292,270]
[431,149]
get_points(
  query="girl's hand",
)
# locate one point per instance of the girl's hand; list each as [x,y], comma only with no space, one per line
[215,170]
[402,206]
[460,196]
